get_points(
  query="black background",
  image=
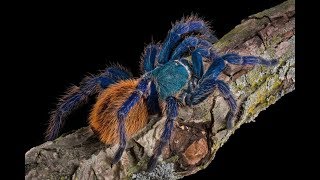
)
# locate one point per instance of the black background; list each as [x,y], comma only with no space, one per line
[62,44]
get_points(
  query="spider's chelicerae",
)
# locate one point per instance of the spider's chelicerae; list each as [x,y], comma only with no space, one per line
[169,79]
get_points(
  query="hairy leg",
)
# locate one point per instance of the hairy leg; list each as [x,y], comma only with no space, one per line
[176,33]
[206,88]
[209,81]
[186,44]
[148,64]
[202,49]
[250,60]
[232,103]
[149,57]
[141,89]
[172,113]
[79,95]
[116,73]
[206,83]
[153,100]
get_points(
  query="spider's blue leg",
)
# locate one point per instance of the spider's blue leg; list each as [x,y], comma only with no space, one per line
[206,83]
[175,34]
[206,88]
[200,93]
[202,50]
[149,57]
[172,113]
[250,60]
[186,44]
[141,89]
[153,100]
[116,73]
[79,95]
[227,95]
[148,64]
[197,63]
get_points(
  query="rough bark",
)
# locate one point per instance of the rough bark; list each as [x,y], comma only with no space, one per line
[199,131]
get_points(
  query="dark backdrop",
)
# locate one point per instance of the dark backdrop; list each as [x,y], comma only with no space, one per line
[64,43]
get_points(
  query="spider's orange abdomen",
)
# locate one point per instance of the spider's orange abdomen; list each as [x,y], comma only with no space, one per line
[103,118]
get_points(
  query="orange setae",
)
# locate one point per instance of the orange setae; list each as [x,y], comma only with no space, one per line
[103,118]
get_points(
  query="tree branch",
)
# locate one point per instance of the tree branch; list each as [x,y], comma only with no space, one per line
[199,131]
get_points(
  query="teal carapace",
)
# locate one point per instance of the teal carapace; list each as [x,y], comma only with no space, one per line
[170,78]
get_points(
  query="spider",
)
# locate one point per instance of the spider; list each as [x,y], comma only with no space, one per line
[169,80]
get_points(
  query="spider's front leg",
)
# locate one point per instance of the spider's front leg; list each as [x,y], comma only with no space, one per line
[186,44]
[227,95]
[202,49]
[172,113]
[180,29]
[142,89]
[209,81]
[234,58]
[206,86]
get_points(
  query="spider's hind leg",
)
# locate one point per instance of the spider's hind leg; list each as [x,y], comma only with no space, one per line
[79,95]
[122,113]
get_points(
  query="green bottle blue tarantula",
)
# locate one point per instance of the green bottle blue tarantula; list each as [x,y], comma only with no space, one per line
[169,80]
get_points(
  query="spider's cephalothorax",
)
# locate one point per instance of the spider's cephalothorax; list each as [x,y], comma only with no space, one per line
[123,104]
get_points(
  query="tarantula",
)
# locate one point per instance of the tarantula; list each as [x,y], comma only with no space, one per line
[169,80]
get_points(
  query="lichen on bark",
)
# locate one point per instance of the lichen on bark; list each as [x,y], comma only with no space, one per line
[199,131]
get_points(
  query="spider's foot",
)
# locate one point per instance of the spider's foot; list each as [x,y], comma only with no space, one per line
[230,120]
[271,62]
[274,62]
[152,163]
[117,156]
